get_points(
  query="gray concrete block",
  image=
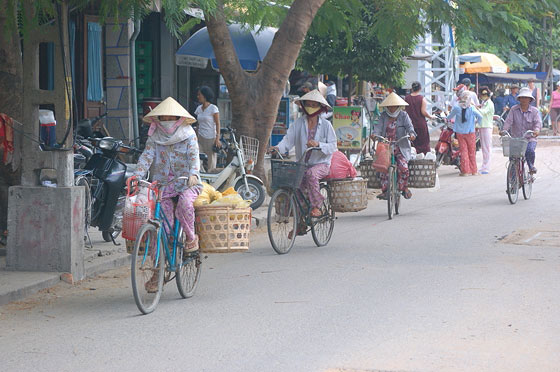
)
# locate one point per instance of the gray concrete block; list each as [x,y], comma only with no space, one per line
[46,229]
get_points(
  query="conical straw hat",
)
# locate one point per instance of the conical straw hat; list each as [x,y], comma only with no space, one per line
[322,88]
[314,95]
[172,108]
[393,99]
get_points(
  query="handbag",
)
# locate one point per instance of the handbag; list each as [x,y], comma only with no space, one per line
[383,159]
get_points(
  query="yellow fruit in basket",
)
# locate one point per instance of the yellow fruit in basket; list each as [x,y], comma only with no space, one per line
[229,191]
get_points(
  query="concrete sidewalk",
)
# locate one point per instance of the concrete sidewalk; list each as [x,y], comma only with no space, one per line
[103,256]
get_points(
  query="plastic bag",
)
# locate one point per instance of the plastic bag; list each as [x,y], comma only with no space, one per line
[436,186]
[232,201]
[383,160]
[341,167]
[207,195]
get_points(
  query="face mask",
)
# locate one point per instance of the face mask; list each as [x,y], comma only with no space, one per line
[394,114]
[311,110]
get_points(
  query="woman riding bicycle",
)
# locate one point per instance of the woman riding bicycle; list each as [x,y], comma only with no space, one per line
[524,117]
[172,149]
[394,123]
[311,130]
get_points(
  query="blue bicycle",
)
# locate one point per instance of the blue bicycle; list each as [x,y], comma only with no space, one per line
[159,257]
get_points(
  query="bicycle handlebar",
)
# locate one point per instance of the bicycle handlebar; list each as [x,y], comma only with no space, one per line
[507,134]
[302,156]
[383,139]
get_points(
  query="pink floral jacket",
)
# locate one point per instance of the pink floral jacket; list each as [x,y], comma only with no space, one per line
[180,159]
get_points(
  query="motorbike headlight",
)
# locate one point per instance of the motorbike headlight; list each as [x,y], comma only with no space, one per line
[106,144]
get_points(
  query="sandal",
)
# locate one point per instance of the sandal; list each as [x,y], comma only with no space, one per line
[152,284]
[382,196]
[191,246]
[406,193]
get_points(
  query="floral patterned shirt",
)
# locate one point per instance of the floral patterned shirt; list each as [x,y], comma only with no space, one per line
[181,160]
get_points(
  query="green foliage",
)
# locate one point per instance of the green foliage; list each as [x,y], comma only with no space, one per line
[513,25]
[361,51]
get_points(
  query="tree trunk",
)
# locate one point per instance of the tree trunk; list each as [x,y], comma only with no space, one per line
[255,97]
[11,100]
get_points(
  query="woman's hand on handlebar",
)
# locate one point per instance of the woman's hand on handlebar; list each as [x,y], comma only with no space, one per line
[273,149]
[312,143]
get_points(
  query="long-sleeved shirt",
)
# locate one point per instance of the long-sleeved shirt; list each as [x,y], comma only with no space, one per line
[519,121]
[181,160]
[499,104]
[487,111]
[404,127]
[297,137]
[511,101]
[464,127]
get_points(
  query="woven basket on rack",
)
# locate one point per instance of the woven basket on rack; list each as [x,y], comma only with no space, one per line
[223,229]
[422,174]
[348,195]
[372,176]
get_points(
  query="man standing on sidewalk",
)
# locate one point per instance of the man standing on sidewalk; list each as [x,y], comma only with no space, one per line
[524,117]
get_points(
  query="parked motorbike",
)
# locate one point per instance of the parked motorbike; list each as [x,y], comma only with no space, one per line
[103,177]
[447,148]
[237,173]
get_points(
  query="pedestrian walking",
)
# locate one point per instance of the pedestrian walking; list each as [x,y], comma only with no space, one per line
[208,117]
[417,112]
[172,151]
[524,117]
[500,101]
[331,93]
[485,127]
[536,102]
[511,98]
[465,116]
[394,123]
[555,110]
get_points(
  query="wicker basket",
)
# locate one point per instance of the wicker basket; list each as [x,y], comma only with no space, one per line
[372,176]
[422,174]
[223,229]
[348,195]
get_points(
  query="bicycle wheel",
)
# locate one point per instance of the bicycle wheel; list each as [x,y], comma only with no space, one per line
[147,267]
[527,182]
[282,221]
[322,228]
[512,181]
[188,268]
[83,181]
[390,192]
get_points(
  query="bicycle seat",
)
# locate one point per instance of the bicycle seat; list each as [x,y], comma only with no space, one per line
[202,156]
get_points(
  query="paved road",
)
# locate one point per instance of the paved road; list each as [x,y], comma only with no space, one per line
[460,281]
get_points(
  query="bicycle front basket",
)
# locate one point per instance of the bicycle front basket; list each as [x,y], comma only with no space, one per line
[514,147]
[286,173]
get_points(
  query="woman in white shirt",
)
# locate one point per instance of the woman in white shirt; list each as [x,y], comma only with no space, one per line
[311,130]
[208,117]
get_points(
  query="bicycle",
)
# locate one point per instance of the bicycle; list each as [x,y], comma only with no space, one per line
[393,193]
[289,208]
[152,256]
[518,175]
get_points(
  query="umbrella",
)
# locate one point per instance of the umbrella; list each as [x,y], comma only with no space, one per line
[488,63]
[251,46]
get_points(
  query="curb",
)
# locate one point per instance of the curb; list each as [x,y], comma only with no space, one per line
[92,269]
[20,293]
